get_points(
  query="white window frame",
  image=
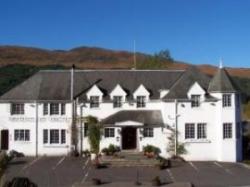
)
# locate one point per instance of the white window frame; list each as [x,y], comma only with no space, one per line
[201,131]
[17,109]
[195,101]
[117,101]
[109,132]
[45,109]
[189,131]
[49,140]
[148,132]
[226,100]
[54,109]
[227,130]
[21,135]
[94,101]
[141,101]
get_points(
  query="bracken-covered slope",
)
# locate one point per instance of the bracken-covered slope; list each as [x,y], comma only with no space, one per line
[92,58]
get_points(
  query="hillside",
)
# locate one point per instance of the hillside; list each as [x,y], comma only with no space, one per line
[92,57]
[18,63]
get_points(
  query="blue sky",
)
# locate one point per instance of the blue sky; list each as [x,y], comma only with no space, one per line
[195,31]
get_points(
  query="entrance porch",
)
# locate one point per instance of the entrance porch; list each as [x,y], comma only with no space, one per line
[133,129]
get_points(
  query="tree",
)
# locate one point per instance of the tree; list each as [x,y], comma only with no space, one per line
[94,134]
[164,55]
[171,145]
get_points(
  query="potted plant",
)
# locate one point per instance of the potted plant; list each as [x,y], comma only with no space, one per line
[156,181]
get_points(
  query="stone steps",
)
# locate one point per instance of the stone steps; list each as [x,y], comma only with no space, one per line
[129,159]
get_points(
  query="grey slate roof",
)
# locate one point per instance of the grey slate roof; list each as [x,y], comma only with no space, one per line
[180,88]
[55,84]
[147,117]
[221,82]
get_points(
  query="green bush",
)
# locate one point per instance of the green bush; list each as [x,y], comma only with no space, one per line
[111,149]
[151,149]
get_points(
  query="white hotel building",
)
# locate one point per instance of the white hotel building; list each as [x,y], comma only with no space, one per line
[135,108]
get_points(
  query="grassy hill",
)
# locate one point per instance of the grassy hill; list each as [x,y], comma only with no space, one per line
[18,63]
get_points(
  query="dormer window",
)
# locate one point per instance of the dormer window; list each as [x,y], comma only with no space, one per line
[226,100]
[94,102]
[195,100]
[117,101]
[141,101]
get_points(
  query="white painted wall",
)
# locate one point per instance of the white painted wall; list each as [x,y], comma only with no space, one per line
[209,112]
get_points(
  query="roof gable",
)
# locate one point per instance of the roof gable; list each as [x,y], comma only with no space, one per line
[180,89]
[141,90]
[118,91]
[94,91]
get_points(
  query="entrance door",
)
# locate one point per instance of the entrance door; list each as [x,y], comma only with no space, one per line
[129,138]
[4,140]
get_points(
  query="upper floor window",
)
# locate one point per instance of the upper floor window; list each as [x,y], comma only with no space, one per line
[62,108]
[45,109]
[94,101]
[189,131]
[227,130]
[226,100]
[201,130]
[141,101]
[54,108]
[195,100]
[17,108]
[117,101]
[22,135]
[148,132]
[109,132]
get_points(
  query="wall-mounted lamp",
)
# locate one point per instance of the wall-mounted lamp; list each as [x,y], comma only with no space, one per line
[117,138]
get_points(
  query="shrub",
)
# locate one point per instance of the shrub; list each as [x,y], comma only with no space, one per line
[151,149]
[111,149]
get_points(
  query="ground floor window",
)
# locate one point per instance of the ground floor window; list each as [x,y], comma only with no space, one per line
[21,135]
[86,129]
[148,132]
[196,130]
[189,131]
[201,130]
[54,136]
[109,132]
[227,130]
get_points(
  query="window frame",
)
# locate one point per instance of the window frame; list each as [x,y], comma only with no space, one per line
[94,101]
[109,132]
[227,130]
[148,132]
[141,101]
[52,108]
[52,138]
[63,109]
[226,100]
[117,101]
[17,109]
[189,131]
[21,135]
[86,130]
[201,131]
[195,101]
[45,109]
